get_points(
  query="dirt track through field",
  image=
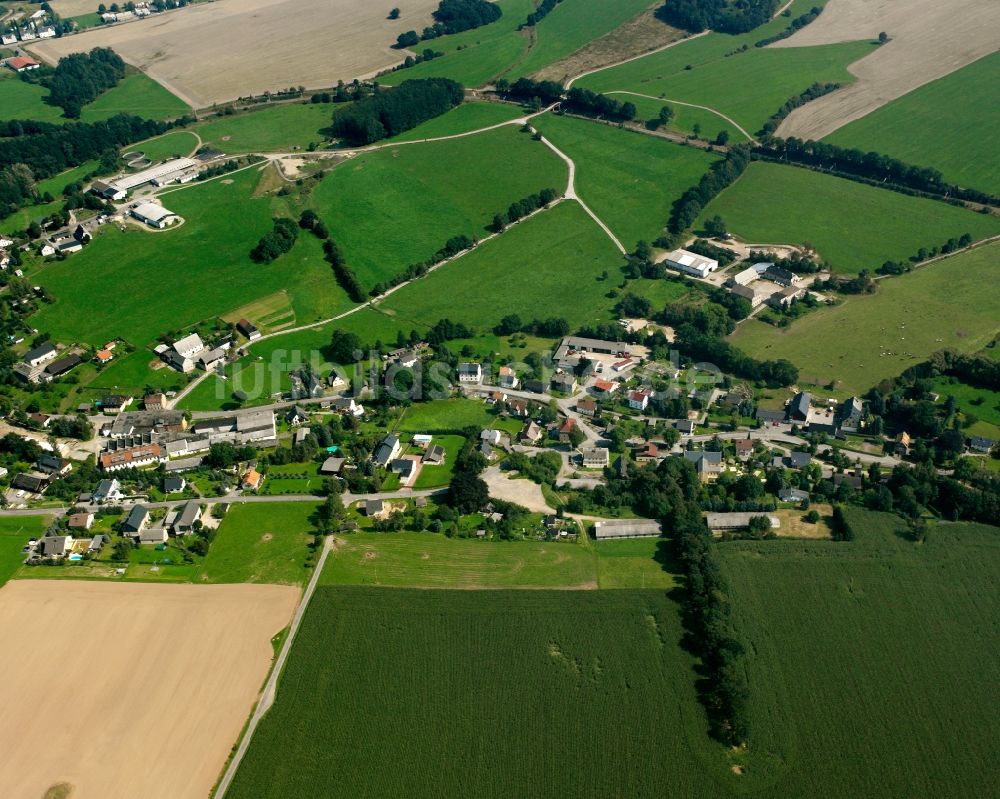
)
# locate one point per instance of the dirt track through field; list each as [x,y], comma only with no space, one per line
[928,39]
[215,52]
[129,690]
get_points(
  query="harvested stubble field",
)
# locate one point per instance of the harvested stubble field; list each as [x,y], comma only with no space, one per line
[219,51]
[123,691]
[945,124]
[929,39]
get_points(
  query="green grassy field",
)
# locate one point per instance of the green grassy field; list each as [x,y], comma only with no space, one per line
[14,534]
[20,100]
[747,86]
[441,693]
[851,225]
[573,24]
[279,127]
[632,563]
[205,264]
[944,124]
[431,560]
[19,220]
[866,656]
[394,207]
[950,304]
[979,402]
[439,476]
[428,417]
[135,94]
[261,543]
[550,265]
[177,143]
[476,56]
[461,119]
[628,179]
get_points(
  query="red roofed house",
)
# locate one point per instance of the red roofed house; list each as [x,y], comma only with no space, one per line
[132,458]
[586,406]
[103,356]
[744,449]
[253,480]
[605,386]
[638,400]
[567,427]
[22,63]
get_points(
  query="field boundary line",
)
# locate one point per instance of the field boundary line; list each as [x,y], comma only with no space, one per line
[571,81]
[690,105]
[270,687]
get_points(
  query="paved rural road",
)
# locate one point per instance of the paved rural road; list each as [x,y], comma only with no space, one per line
[271,686]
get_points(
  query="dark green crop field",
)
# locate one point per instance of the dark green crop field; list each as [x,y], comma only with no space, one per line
[410,693]
[874,668]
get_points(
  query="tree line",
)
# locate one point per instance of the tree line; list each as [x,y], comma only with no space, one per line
[797,23]
[453,16]
[871,167]
[725,16]
[522,208]
[813,92]
[540,13]
[393,111]
[80,78]
[31,151]
[547,328]
[584,101]
[451,248]
[689,205]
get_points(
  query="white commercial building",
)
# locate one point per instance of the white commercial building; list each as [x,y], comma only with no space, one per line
[153,215]
[691,263]
[155,174]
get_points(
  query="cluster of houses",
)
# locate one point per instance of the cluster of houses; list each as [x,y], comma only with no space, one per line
[833,417]
[41,364]
[767,283]
[190,352]
[139,11]
[37,26]
[389,455]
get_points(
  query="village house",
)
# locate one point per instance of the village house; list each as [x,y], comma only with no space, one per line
[190,513]
[174,485]
[685,427]
[470,373]
[54,465]
[518,407]
[108,490]
[252,480]
[604,388]
[387,451]
[744,449]
[248,329]
[136,520]
[31,483]
[374,508]
[638,400]
[793,495]
[491,437]
[252,426]
[332,466]
[532,433]
[746,277]
[534,386]
[783,277]
[785,297]
[799,407]
[507,378]
[902,444]
[80,521]
[586,406]
[707,464]
[566,430]
[981,444]
[297,416]
[651,452]
[405,468]
[595,457]
[435,455]
[22,63]
[54,546]
[747,293]
[565,382]
[104,356]
[154,402]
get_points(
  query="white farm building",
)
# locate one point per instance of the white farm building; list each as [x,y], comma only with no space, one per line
[691,263]
[153,215]
[159,175]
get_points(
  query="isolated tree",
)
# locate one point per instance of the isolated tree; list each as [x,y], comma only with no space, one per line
[722,137]
[394,14]
[716,226]
[883,37]
[345,347]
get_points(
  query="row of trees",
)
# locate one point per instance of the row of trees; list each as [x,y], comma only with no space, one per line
[923,254]
[794,25]
[688,206]
[523,207]
[280,240]
[453,16]
[725,16]
[584,101]
[813,92]
[451,248]
[393,111]
[80,78]
[547,328]
[540,13]
[871,166]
